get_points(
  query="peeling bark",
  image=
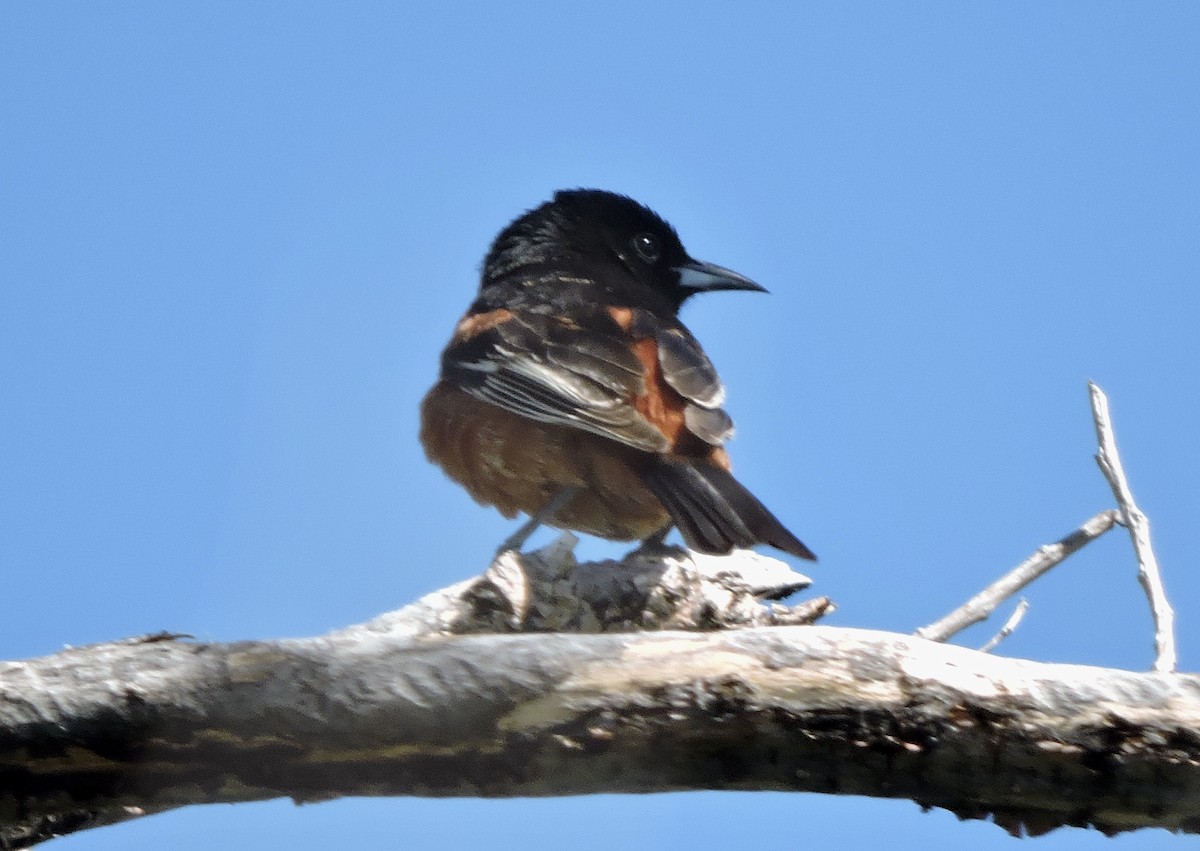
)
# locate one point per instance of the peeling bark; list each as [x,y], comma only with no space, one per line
[420,702]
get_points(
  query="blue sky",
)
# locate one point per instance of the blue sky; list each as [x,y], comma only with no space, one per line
[235,236]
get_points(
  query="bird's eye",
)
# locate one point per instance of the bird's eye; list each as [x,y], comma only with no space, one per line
[647,247]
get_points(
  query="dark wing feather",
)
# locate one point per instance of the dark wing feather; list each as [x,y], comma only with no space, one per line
[714,513]
[687,369]
[538,367]
[712,425]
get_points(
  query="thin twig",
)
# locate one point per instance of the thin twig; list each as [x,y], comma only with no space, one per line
[986,601]
[1012,623]
[1139,532]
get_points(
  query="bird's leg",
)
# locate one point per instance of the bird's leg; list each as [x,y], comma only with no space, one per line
[656,542]
[518,538]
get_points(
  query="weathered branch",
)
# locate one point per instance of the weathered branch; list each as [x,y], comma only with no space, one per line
[1109,461]
[400,706]
[981,606]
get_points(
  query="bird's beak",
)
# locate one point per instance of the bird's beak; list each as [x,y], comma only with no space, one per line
[696,277]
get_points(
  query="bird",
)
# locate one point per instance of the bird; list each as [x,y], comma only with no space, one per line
[571,392]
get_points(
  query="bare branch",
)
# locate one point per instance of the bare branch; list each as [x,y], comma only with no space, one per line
[1011,624]
[108,732]
[982,605]
[1138,524]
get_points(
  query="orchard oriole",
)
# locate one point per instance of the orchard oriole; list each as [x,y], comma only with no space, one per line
[571,391]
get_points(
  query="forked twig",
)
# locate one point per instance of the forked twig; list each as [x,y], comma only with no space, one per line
[1139,532]
[989,599]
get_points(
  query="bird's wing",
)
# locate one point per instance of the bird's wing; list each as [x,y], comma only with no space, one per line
[638,386]
[688,371]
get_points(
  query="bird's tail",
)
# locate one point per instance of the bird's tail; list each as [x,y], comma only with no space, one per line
[714,512]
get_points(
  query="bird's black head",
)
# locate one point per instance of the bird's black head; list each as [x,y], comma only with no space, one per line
[607,244]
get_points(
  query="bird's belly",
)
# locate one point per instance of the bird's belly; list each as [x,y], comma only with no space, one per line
[518,465]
